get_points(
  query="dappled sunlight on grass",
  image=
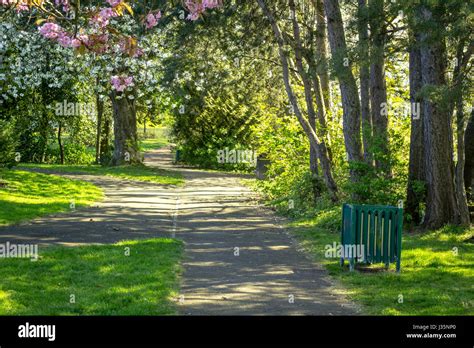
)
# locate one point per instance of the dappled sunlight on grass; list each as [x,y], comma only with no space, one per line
[102,278]
[135,172]
[29,195]
[437,272]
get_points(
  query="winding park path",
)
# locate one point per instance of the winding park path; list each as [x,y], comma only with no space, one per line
[238,259]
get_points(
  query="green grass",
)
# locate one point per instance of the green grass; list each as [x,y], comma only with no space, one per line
[158,139]
[25,195]
[433,279]
[103,280]
[152,144]
[139,172]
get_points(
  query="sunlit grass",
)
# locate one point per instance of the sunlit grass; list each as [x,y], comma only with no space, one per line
[152,144]
[437,270]
[101,279]
[26,195]
[138,173]
[159,139]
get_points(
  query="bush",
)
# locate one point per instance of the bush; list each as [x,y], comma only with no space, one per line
[77,154]
[7,145]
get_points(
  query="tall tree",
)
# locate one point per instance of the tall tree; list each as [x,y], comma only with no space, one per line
[441,204]
[364,76]
[416,168]
[458,104]
[125,130]
[469,155]
[347,84]
[320,129]
[314,140]
[322,52]
[378,88]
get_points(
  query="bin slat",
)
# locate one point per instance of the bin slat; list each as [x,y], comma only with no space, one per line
[374,231]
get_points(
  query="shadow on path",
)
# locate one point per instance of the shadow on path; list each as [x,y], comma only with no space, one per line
[238,259]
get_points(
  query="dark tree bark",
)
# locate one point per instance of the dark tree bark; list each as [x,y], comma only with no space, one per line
[348,87]
[100,112]
[469,156]
[321,86]
[416,169]
[322,52]
[378,89]
[364,76]
[43,139]
[313,137]
[441,204]
[60,144]
[464,218]
[125,131]
[105,140]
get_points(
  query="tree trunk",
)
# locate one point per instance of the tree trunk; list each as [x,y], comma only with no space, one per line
[44,132]
[125,131]
[441,205]
[348,87]
[364,76]
[321,79]
[322,52]
[416,168]
[378,89]
[464,218]
[105,140]
[313,138]
[60,144]
[469,156]
[313,163]
[321,150]
[100,112]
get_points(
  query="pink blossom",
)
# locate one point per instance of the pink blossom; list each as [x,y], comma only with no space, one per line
[64,3]
[197,7]
[151,19]
[114,3]
[64,39]
[138,53]
[119,83]
[50,30]
[108,12]
[81,39]
[76,43]
[102,18]
[20,5]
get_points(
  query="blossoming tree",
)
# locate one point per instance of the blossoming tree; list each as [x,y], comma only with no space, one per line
[116,29]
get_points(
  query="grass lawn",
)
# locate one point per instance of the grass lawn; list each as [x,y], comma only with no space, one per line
[437,272]
[100,279]
[159,138]
[139,173]
[152,144]
[25,195]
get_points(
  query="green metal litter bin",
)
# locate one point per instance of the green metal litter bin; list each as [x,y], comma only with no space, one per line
[177,156]
[371,234]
